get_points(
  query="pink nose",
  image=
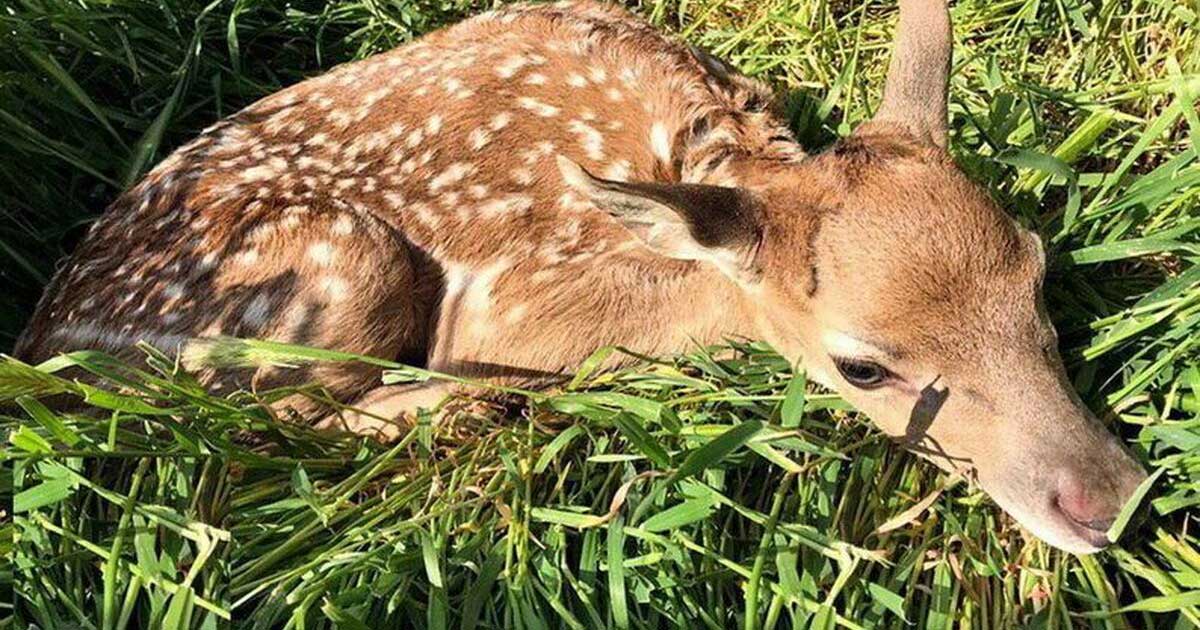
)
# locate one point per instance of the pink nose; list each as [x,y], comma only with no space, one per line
[1086,507]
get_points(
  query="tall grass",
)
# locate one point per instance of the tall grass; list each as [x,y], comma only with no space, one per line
[713,489]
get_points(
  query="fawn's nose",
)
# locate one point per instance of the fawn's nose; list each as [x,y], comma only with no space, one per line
[1090,508]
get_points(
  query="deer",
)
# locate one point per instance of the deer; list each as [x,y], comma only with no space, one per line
[497,199]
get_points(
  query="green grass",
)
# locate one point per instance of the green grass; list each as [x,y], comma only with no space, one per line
[709,490]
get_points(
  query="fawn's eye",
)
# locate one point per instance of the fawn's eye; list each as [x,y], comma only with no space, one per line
[862,374]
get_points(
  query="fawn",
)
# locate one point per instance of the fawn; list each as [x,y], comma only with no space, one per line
[501,197]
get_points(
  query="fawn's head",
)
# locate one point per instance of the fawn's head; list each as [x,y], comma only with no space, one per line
[898,282]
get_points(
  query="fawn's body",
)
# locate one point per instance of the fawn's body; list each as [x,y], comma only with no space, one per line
[409,206]
[506,195]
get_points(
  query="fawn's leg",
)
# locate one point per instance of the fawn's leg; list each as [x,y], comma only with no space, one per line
[336,279]
[386,412]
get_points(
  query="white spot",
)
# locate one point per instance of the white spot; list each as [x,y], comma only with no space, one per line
[296,315]
[257,311]
[660,142]
[424,214]
[343,225]
[543,276]
[376,95]
[321,252]
[589,138]
[522,176]
[572,173]
[576,80]
[334,287]
[478,191]
[394,199]
[262,232]
[597,74]
[501,120]
[569,201]
[247,257]
[506,205]
[207,262]
[173,291]
[339,118]
[536,78]
[614,94]
[265,171]
[479,138]
[617,171]
[516,314]
[510,66]
[415,138]
[453,174]
[540,108]
[434,124]
[323,165]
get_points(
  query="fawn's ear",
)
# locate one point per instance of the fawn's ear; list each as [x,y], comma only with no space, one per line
[717,224]
[914,96]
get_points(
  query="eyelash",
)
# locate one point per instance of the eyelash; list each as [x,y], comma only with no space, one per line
[882,376]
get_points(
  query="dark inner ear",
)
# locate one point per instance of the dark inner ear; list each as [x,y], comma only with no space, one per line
[716,216]
[684,221]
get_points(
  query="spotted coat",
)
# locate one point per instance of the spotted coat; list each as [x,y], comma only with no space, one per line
[409,205]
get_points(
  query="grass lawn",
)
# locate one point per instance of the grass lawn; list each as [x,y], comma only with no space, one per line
[711,490]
